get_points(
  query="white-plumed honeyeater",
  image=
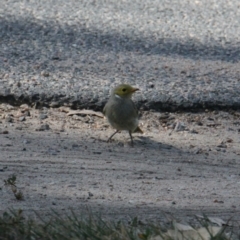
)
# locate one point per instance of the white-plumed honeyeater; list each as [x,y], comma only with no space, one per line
[121,112]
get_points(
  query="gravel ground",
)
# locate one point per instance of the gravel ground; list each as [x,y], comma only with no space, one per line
[183,164]
[182,54]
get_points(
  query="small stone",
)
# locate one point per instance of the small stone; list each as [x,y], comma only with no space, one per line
[25,141]
[97,152]
[54,104]
[75,145]
[120,144]
[198,151]
[45,74]
[43,116]
[180,126]
[9,119]
[7,145]
[53,151]
[210,119]
[164,116]
[6,107]
[90,194]
[21,119]
[24,106]
[222,145]
[193,131]
[43,127]
[27,113]
[4,132]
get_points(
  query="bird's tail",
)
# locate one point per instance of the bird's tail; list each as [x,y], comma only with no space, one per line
[138,130]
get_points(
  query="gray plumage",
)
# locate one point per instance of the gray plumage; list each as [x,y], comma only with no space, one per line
[120,110]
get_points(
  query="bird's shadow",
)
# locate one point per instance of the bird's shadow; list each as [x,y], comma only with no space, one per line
[140,142]
[149,142]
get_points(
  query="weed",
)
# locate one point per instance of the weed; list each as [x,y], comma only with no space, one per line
[11,182]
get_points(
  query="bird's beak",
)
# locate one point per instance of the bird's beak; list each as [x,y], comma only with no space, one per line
[134,90]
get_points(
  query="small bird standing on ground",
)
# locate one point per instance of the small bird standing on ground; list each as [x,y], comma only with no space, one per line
[121,112]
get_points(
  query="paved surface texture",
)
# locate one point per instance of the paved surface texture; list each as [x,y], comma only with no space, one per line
[182,54]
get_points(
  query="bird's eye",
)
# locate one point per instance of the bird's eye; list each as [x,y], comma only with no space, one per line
[124,90]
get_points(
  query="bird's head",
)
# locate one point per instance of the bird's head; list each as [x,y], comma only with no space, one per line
[124,90]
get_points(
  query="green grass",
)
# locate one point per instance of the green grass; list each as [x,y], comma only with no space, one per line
[14,226]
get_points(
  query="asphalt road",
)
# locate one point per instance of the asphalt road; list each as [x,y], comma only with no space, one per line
[181,54]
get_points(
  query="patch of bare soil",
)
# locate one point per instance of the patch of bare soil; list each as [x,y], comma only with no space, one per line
[184,164]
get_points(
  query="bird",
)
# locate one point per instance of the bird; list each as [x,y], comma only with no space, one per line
[121,111]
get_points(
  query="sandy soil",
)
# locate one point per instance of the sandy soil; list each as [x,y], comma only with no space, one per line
[184,164]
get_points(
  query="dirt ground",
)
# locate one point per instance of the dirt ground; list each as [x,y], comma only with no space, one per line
[183,165]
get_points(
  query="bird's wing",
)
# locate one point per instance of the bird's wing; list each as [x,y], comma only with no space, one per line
[105,108]
[135,109]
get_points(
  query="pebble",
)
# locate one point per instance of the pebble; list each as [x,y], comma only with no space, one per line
[43,127]
[193,131]
[8,119]
[25,141]
[53,151]
[222,145]
[45,74]
[43,116]
[96,152]
[180,126]
[24,107]
[54,104]
[163,116]
[90,194]
[21,119]
[198,151]
[221,150]
[4,132]
[75,145]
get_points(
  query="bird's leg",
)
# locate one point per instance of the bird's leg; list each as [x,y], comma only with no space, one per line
[131,137]
[112,136]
